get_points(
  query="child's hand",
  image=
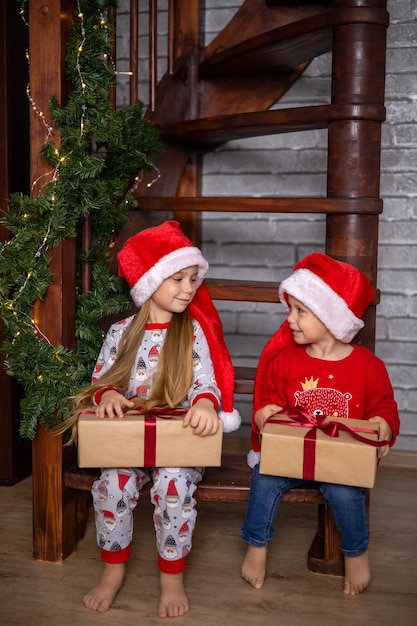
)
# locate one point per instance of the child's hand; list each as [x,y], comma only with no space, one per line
[265,412]
[113,404]
[385,433]
[202,418]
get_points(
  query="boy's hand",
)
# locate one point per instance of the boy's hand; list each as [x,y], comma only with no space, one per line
[113,404]
[202,418]
[385,433]
[265,412]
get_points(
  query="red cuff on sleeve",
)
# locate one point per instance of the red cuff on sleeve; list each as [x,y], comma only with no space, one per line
[210,396]
[99,393]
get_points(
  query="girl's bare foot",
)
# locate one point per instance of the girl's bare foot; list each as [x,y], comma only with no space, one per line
[357,574]
[101,597]
[254,566]
[173,601]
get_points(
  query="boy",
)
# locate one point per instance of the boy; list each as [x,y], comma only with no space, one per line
[325,300]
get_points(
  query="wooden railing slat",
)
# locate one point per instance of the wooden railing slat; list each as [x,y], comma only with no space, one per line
[364,206]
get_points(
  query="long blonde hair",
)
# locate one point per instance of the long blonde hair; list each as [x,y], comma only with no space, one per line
[172,382]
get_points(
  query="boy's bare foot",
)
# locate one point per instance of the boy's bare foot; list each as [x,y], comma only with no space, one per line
[357,574]
[173,601]
[254,566]
[101,597]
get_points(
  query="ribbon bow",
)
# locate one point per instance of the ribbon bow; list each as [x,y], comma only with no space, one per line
[300,417]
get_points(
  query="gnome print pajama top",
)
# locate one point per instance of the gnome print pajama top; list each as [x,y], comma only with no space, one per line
[116,492]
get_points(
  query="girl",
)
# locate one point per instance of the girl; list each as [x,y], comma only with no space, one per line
[309,362]
[172,352]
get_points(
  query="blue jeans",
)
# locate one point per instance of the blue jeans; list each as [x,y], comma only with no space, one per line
[347,503]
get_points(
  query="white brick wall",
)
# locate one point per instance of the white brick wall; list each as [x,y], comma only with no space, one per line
[266,247]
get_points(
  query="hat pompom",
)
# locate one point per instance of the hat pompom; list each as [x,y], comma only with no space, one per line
[253,458]
[231,421]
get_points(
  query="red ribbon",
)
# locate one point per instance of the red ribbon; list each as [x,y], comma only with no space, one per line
[301,417]
[149,453]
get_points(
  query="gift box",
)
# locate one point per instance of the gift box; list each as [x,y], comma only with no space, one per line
[145,440]
[333,450]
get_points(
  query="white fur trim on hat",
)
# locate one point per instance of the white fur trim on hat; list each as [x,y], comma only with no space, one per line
[165,267]
[326,304]
[231,421]
[253,458]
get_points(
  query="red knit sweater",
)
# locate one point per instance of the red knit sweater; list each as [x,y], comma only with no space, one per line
[357,387]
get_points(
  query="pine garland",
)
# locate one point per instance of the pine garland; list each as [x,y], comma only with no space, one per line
[101,153]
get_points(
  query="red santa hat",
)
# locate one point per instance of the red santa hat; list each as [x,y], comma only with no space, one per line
[155,254]
[336,292]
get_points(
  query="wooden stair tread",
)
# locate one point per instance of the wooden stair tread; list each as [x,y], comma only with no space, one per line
[223,289]
[283,48]
[286,3]
[278,50]
[244,379]
[228,483]
[355,206]
[223,128]
[242,290]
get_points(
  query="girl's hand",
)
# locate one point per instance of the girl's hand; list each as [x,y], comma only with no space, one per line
[113,404]
[265,412]
[202,418]
[385,433]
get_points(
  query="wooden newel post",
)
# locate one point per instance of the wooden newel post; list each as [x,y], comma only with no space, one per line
[354,145]
[57,511]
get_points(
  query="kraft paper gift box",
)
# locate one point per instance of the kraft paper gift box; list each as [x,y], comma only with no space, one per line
[305,451]
[143,440]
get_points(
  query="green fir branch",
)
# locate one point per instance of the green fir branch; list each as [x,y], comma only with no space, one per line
[101,153]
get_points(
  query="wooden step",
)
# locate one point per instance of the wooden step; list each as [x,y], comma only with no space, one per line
[288,3]
[219,289]
[355,206]
[223,128]
[228,483]
[278,50]
[244,380]
[283,48]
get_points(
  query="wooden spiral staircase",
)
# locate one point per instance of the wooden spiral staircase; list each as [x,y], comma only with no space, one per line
[223,92]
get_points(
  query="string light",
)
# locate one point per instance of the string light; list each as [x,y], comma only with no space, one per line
[54,178]
[39,113]
[78,67]
[154,180]
[22,15]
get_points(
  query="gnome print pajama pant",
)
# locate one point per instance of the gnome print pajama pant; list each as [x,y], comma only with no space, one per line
[115,496]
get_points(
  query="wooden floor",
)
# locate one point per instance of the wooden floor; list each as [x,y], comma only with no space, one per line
[38,594]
